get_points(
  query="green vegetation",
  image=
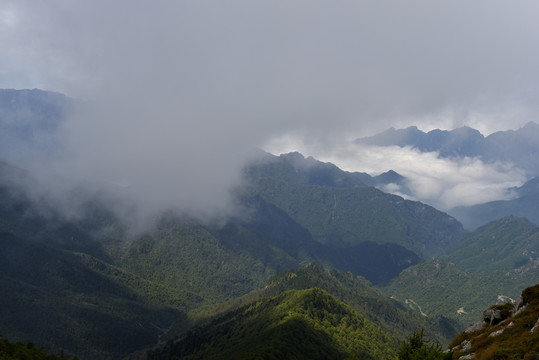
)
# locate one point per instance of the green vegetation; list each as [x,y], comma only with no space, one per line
[65,279]
[184,256]
[504,244]
[513,338]
[71,277]
[418,347]
[338,209]
[89,286]
[51,297]
[493,264]
[390,315]
[299,324]
[22,351]
[437,288]
[355,291]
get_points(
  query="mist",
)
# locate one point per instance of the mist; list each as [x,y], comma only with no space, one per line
[441,182]
[178,94]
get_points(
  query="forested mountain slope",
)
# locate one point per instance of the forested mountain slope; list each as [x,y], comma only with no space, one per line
[504,244]
[91,286]
[336,209]
[390,315]
[299,324]
[486,266]
[89,270]
[438,288]
[58,300]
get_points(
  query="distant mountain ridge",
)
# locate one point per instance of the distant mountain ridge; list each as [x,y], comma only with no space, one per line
[440,288]
[30,120]
[489,265]
[348,213]
[504,244]
[526,204]
[517,146]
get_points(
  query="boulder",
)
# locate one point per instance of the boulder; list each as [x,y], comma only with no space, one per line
[493,316]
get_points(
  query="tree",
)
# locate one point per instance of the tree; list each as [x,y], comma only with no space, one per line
[418,347]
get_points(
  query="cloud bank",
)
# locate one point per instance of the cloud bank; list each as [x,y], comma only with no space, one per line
[181,91]
[441,182]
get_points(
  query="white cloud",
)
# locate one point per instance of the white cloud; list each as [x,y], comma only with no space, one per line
[441,182]
[186,88]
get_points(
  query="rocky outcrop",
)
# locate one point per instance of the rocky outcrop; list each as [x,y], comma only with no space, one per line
[493,316]
[475,327]
[505,329]
[519,306]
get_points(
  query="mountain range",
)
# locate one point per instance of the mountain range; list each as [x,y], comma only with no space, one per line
[97,273]
[525,204]
[320,264]
[30,121]
[519,146]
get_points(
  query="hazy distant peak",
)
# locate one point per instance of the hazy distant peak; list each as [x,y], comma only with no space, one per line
[32,100]
[401,137]
[466,130]
[293,156]
[389,177]
[519,147]
[530,188]
[530,125]
[30,121]
[299,161]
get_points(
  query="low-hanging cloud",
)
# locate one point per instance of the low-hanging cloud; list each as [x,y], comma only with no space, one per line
[181,91]
[442,182]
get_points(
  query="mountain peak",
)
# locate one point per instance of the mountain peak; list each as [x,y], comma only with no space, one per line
[299,324]
[519,147]
[389,177]
[466,130]
[392,136]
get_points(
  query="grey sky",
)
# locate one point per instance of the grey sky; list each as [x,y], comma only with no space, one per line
[281,65]
[186,88]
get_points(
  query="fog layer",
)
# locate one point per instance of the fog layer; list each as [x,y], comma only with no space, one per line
[180,92]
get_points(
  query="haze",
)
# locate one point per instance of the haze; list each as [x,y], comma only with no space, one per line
[181,92]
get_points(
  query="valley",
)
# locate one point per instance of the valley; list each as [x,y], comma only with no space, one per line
[314,253]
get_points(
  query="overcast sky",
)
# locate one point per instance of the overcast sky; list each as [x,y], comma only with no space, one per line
[187,88]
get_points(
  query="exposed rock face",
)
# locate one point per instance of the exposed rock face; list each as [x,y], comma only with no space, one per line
[519,306]
[475,327]
[496,333]
[466,345]
[493,316]
[505,329]
[535,326]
